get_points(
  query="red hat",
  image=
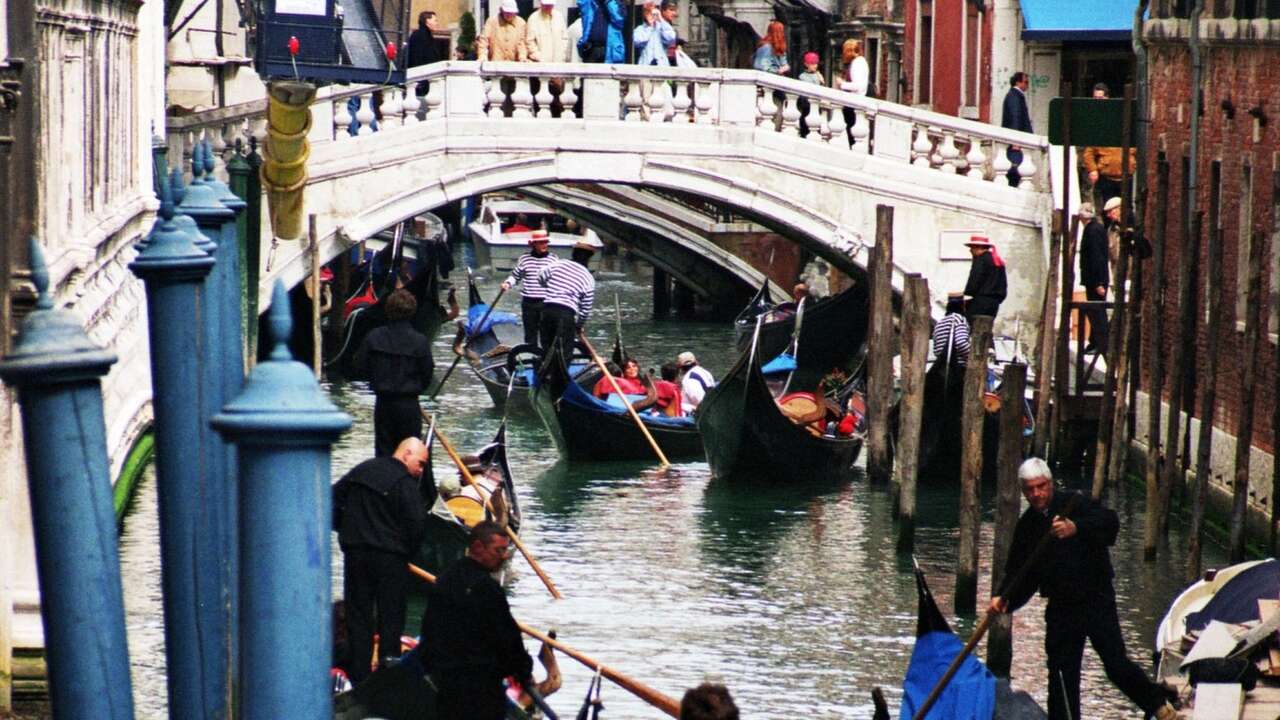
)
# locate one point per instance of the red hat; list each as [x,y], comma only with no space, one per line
[979,241]
[811,58]
[538,236]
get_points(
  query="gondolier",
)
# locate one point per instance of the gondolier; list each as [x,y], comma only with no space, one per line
[1075,575]
[987,285]
[951,334]
[397,360]
[532,294]
[570,291]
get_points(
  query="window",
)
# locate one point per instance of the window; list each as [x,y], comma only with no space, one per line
[972,26]
[924,69]
[1244,242]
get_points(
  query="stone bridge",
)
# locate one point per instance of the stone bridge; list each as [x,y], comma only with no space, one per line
[732,136]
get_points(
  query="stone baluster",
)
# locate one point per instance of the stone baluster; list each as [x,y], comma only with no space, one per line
[341,120]
[258,131]
[393,107]
[1027,171]
[522,99]
[1000,162]
[364,115]
[921,147]
[836,126]
[703,97]
[791,114]
[544,98]
[632,102]
[434,98]
[657,102]
[568,98]
[766,109]
[680,104]
[949,153]
[493,96]
[216,135]
[976,159]
[861,132]
[412,105]
[814,120]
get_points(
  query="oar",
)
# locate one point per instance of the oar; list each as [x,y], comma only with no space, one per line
[465,345]
[634,416]
[661,701]
[981,630]
[515,539]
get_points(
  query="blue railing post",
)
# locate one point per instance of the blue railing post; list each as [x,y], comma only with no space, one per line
[216,526]
[57,371]
[283,427]
[174,271]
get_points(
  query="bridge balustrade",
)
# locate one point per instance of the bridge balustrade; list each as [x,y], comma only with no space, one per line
[576,93]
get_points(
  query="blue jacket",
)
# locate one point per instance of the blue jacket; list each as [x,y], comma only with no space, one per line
[615,50]
[652,43]
[765,60]
[1015,115]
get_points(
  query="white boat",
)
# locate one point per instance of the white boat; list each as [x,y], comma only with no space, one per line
[1174,625]
[499,240]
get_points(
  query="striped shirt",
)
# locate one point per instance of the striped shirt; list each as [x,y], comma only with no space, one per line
[943,332]
[526,271]
[570,285]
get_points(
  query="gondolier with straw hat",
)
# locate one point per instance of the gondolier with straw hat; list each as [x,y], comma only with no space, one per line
[987,285]
[532,295]
[570,292]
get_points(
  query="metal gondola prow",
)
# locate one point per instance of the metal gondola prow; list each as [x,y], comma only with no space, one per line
[795,345]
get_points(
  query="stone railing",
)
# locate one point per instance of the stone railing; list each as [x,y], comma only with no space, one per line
[594,94]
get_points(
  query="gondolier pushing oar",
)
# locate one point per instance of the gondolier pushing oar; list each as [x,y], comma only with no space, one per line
[526,273]
[570,293]
[1074,573]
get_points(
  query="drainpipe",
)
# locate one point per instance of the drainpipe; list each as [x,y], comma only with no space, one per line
[1197,73]
[1143,90]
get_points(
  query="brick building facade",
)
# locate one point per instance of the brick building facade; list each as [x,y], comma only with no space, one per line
[1238,166]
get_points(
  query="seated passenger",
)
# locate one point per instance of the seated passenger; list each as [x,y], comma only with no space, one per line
[786,309]
[628,380]
[668,401]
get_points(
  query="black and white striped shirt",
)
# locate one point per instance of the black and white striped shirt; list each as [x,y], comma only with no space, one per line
[526,272]
[570,285]
[943,332]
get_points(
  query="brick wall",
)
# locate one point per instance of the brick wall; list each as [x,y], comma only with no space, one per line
[1242,74]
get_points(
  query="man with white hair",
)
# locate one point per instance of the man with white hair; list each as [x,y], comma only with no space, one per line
[546,35]
[503,37]
[695,381]
[1095,275]
[1074,573]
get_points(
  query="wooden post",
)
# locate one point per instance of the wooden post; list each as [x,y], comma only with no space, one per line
[661,294]
[1008,503]
[1208,397]
[1062,371]
[1048,339]
[1248,371]
[317,359]
[972,418]
[1117,458]
[1177,364]
[880,350]
[915,350]
[1155,362]
[341,288]
[1061,377]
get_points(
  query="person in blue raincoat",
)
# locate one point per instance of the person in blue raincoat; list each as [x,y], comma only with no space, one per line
[602,28]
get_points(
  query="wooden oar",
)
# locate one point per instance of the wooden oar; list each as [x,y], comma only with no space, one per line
[981,630]
[465,345]
[659,700]
[515,539]
[634,415]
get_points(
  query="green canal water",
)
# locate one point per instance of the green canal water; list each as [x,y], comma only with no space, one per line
[793,596]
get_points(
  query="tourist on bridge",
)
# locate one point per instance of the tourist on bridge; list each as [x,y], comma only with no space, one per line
[471,641]
[502,39]
[547,35]
[987,285]
[771,55]
[532,294]
[603,22]
[855,78]
[397,360]
[695,381]
[422,46]
[1095,273]
[1074,575]
[379,514]
[570,292]
[951,334]
[1015,116]
[654,35]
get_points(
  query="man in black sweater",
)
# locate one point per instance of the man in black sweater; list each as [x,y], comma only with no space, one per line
[1074,573]
[987,285]
[471,640]
[1095,275]
[380,516]
[397,360]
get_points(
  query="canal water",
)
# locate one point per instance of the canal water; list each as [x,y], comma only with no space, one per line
[791,595]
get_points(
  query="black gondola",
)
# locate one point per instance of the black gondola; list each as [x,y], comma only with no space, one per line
[834,329]
[746,434]
[363,309]
[586,428]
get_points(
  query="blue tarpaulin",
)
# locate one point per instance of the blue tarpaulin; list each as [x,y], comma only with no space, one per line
[498,317]
[1082,20]
[971,694]
[784,363]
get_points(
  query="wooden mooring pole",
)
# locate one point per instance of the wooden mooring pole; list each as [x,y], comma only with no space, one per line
[1126,312]
[1062,369]
[1048,339]
[915,350]
[1008,503]
[972,418]
[317,357]
[1248,373]
[1208,400]
[880,350]
[1155,360]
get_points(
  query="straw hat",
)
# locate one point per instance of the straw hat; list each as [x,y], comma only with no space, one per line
[539,236]
[979,241]
[584,245]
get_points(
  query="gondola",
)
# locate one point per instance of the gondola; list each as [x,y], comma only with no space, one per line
[362,309]
[746,434]
[833,329]
[586,428]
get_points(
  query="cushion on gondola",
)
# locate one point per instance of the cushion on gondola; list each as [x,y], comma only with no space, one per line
[574,393]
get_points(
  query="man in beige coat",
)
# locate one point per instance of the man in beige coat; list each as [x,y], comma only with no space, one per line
[503,38]
[547,35]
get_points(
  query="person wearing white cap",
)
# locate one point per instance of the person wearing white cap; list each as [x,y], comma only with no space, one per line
[546,35]
[695,381]
[987,285]
[532,294]
[502,39]
[1095,274]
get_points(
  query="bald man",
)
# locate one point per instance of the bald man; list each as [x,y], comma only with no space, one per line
[380,516]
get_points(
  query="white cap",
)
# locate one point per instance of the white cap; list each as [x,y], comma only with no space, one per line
[685,359]
[1111,204]
[509,6]
[548,3]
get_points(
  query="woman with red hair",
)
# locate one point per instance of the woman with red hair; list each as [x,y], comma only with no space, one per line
[771,56]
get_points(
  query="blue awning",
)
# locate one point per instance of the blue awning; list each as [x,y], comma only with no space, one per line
[1078,20]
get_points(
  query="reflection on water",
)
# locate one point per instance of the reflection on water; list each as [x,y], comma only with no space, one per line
[793,596]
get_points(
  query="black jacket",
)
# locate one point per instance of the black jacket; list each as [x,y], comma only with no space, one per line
[1095,265]
[377,506]
[1073,570]
[987,286]
[422,49]
[396,359]
[467,628]
[1014,114]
